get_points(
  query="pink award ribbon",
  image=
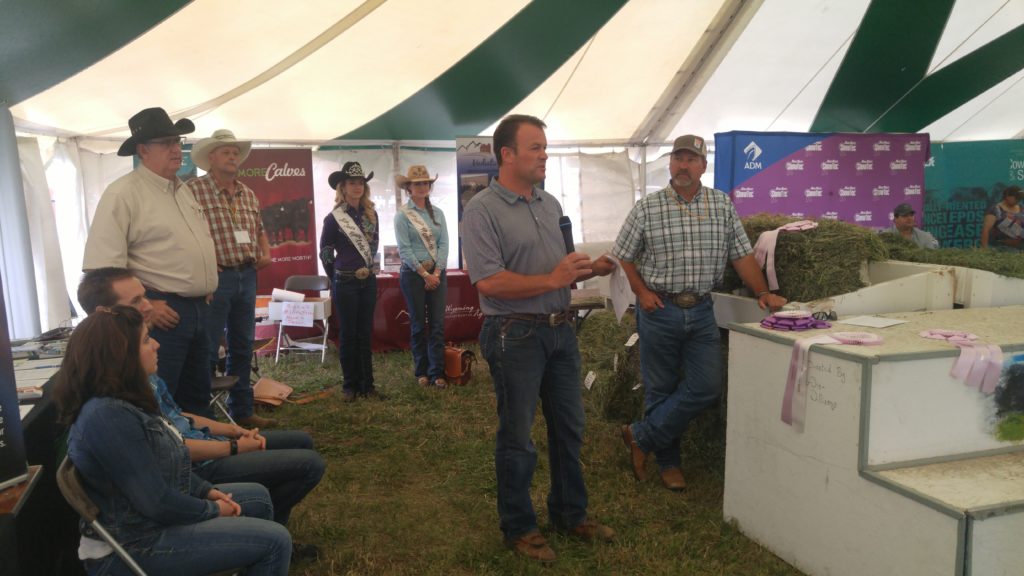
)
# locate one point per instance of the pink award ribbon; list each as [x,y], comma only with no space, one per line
[794,399]
[978,366]
[764,249]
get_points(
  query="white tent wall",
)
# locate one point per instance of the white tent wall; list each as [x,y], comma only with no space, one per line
[52,300]
[596,187]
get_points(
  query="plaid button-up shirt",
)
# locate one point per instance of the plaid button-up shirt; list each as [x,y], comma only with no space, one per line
[680,246]
[227,211]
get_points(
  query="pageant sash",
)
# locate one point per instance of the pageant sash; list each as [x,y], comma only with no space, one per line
[355,235]
[421,227]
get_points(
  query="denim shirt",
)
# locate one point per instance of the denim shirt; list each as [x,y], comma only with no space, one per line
[137,471]
[172,412]
[410,245]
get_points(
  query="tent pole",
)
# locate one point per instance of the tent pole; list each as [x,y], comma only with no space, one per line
[15,244]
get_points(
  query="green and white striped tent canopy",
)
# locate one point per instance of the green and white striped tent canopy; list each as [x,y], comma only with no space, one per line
[612,71]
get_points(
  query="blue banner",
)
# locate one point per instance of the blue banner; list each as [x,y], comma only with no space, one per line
[962,179]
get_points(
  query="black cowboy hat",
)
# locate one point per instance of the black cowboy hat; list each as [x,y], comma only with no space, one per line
[349,170]
[150,124]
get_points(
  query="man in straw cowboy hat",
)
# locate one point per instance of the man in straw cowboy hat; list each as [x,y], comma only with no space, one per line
[149,223]
[233,214]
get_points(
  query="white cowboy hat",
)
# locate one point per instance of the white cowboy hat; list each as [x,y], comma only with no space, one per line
[201,150]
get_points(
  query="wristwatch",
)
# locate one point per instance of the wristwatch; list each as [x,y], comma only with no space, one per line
[234,446]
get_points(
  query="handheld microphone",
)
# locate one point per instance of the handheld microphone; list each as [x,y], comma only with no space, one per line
[565,225]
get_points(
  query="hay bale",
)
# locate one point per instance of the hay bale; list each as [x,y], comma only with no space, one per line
[1005,263]
[601,339]
[814,264]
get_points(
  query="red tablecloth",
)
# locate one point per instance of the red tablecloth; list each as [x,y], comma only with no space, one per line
[462,321]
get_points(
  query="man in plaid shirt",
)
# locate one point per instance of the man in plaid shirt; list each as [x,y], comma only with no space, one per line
[673,248]
[233,214]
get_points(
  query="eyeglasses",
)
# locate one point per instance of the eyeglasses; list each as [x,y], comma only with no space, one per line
[176,140]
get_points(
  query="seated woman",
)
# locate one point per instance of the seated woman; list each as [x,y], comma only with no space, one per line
[422,236]
[136,468]
[1003,227]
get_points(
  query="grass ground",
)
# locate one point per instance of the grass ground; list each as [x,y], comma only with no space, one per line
[410,487]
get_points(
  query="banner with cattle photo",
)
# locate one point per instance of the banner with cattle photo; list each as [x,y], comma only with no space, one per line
[283,181]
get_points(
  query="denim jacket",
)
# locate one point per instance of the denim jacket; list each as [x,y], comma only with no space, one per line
[136,469]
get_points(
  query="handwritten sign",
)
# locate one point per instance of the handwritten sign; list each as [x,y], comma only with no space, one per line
[297,314]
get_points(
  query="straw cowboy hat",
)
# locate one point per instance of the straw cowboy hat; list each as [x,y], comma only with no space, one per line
[150,124]
[349,170]
[201,150]
[417,173]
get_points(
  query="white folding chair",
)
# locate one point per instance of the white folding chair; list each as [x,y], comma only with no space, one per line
[300,283]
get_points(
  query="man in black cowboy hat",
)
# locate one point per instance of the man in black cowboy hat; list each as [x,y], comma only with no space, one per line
[148,222]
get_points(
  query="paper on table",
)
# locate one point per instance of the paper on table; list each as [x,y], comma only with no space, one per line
[279,295]
[41,364]
[872,321]
[24,409]
[20,383]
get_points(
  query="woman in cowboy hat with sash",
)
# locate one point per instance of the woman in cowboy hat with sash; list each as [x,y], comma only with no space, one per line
[347,249]
[423,245]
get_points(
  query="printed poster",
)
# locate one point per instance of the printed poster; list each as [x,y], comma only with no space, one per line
[856,178]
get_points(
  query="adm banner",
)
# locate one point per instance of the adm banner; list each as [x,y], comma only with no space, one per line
[283,181]
[857,178]
[962,180]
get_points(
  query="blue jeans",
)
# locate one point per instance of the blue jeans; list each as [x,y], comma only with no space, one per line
[289,468]
[426,333]
[681,364]
[185,353]
[531,360]
[234,308]
[354,302]
[220,544]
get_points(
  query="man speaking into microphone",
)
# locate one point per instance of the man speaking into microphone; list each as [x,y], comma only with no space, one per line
[522,263]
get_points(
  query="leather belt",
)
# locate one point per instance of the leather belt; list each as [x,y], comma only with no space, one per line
[549,319]
[685,299]
[359,274]
[240,267]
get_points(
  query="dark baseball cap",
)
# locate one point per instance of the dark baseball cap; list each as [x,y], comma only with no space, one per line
[692,143]
[903,210]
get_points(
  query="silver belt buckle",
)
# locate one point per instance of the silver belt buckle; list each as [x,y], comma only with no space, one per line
[687,299]
[362,273]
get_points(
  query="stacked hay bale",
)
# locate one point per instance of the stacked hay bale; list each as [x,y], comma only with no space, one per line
[1005,263]
[814,264]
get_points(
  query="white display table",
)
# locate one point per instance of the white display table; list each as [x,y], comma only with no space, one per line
[897,470]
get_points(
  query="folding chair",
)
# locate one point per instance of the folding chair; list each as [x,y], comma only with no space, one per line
[304,284]
[220,388]
[70,484]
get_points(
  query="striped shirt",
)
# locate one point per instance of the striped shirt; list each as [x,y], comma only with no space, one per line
[680,246]
[227,211]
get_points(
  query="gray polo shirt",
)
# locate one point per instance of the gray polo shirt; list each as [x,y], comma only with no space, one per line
[502,231]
